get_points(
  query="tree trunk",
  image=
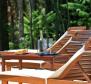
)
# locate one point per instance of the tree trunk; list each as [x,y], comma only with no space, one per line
[20,18]
[49,5]
[11,14]
[4,40]
[31,33]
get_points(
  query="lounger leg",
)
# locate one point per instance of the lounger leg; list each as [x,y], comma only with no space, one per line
[4,82]
[8,67]
[20,83]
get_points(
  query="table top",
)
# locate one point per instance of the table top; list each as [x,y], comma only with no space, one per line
[11,55]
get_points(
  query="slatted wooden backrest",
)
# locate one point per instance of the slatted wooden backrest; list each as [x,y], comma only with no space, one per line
[65,37]
[82,70]
[73,30]
[69,50]
[59,43]
[77,42]
[77,72]
[85,62]
[64,70]
[77,28]
[83,35]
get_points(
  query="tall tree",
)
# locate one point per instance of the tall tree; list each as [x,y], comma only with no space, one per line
[49,5]
[12,20]
[4,40]
[20,18]
[31,33]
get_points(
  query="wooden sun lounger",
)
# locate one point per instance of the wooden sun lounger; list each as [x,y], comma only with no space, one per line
[29,64]
[58,76]
[77,28]
[61,41]
[64,38]
[75,44]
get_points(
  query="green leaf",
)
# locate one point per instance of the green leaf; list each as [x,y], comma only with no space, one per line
[83,14]
[26,20]
[72,6]
[50,18]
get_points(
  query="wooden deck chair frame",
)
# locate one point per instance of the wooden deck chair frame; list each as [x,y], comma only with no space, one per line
[77,28]
[85,34]
[42,63]
[10,63]
[61,72]
[37,63]
[70,32]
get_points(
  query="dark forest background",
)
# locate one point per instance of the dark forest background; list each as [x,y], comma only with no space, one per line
[22,20]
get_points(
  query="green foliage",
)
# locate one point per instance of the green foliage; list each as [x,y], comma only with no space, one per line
[11,45]
[85,1]
[78,12]
[24,42]
[53,21]
[42,21]
[26,25]
[50,17]
[82,13]
[72,6]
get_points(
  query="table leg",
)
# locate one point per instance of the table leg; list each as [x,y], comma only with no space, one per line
[20,83]
[20,64]
[52,64]
[3,64]
[4,82]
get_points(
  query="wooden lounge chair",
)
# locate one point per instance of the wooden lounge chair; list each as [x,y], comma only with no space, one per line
[75,44]
[31,64]
[77,28]
[59,42]
[35,76]
[64,38]
[56,46]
